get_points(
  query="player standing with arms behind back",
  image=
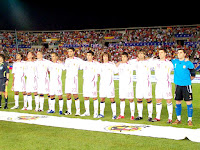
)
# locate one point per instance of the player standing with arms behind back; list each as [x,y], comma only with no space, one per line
[90,77]
[31,79]
[4,78]
[184,72]
[43,79]
[125,70]
[55,83]
[143,84]
[107,70]
[163,90]
[72,65]
[19,84]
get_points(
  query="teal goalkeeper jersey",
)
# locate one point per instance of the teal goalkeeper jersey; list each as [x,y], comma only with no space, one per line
[182,72]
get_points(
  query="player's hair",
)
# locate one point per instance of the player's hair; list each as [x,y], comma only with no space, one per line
[163,49]
[22,56]
[106,53]
[141,51]
[184,51]
[40,52]
[2,56]
[54,53]
[91,52]
[125,53]
[72,49]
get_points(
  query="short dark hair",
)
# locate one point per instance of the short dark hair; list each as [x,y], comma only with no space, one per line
[54,53]
[163,49]
[141,50]
[125,53]
[71,49]
[2,56]
[91,52]
[22,56]
[184,51]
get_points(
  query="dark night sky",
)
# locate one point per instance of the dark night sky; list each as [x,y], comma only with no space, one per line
[62,15]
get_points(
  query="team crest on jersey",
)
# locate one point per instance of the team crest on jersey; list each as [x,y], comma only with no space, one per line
[184,66]
[125,128]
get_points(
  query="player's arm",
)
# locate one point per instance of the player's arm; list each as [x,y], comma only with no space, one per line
[192,73]
[192,70]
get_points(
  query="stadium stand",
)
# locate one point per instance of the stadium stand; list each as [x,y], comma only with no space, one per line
[114,41]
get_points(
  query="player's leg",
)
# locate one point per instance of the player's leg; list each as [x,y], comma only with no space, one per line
[158,110]
[36,101]
[49,100]
[77,104]
[132,108]
[51,104]
[178,108]
[140,109]
[16,98]
[25,101]
[113,107]
[188,99]
[96,106]
[69,104]
[170,110]
[87,107]
[41,102]
[122,109]
[150,109]
[102,107]
[60,104]
[29,98]
[190,112]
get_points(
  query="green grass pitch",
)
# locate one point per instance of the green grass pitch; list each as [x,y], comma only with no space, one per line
[26,136]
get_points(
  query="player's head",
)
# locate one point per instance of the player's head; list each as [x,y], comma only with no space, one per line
[2,57]
[124,57]
[90,55]
[162,53]
[71,52]
[105,57]
[39,55]
[54,57]
[19,56]
[181,53]
[30,55]
[141,54]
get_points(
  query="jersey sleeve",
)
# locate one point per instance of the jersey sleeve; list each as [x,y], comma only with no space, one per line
[7,67]
[190,65]
[14,68]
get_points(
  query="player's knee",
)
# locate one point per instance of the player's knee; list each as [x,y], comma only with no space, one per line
[158,100]
[131,100]
[149,101]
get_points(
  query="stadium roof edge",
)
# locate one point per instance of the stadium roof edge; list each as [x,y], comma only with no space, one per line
[128,28]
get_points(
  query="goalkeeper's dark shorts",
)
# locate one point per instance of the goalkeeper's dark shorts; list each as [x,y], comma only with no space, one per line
[2,84]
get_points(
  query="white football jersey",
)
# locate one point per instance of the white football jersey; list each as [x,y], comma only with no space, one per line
[30,69]
[90,70]
[72,66]
[143,69]
[125,71]
[56,71]
[42,68]
[107,71]
[162,69]
[18,69]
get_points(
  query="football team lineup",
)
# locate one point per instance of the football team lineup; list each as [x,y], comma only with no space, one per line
[39,83]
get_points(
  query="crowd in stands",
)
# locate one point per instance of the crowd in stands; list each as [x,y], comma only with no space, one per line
[95,40]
